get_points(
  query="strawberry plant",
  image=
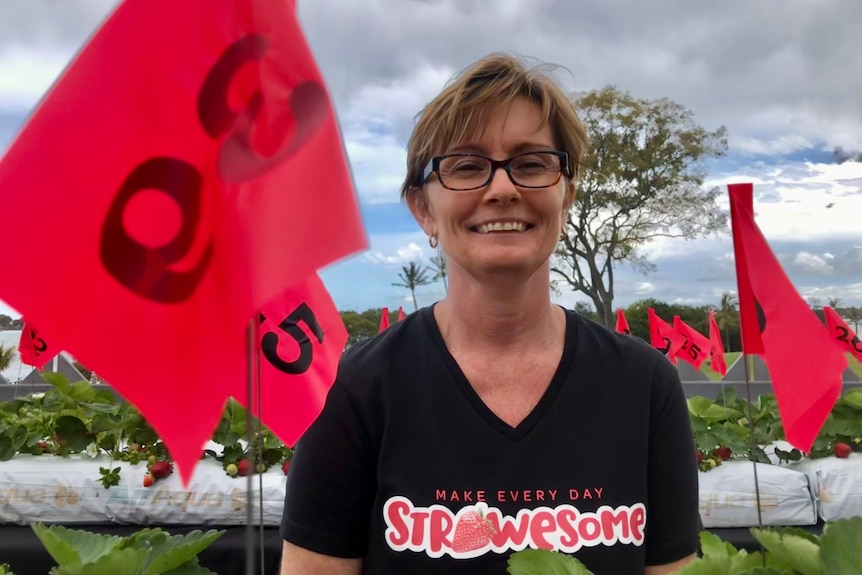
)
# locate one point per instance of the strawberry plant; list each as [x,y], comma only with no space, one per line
[150,551]
[788,551]
[80,419]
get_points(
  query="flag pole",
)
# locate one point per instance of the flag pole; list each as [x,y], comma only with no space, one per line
[249,391]
[253,397]
[748,369]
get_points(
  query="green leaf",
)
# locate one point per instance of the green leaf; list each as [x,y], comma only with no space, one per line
[714,546]
[841,546]
[766,571]
[74,546]
[705,408]
[853,398]
[58,380]
[7,450]
[734,564]
[544,562]
[117,562]
[272,456]
[172,552]
[192,567]
[73,432]
[797,548]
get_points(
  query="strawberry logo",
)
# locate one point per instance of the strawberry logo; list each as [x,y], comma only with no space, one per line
[472,532]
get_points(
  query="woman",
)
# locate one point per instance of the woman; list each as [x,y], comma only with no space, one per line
[495,420]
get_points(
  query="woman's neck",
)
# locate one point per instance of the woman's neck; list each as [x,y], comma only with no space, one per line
[501,314]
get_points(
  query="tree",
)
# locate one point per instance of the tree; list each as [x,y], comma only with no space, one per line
[854,316]
[642,179]
[7,354]
[835,303]
[438,266]
[412,276]
[637,314]
[586,310]
[360,326]
[727,317]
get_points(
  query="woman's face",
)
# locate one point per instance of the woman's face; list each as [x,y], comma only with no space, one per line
[468,223]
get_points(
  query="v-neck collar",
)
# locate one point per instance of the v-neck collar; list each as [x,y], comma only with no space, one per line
[545,402]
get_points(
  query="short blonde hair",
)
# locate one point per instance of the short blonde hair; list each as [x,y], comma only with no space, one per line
[462,109]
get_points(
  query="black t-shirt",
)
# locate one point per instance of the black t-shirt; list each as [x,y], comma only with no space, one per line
[408,468]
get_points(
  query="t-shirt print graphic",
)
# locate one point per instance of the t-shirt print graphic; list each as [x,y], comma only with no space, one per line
[475,530]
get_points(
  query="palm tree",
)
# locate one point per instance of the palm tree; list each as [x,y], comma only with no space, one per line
[7,354]
[412,276]
[438,266]
[727,316]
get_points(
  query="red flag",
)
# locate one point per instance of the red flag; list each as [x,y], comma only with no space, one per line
[845,337]
[33,348]
[178,184]
[622,323]
[695,348]
[749,325]
[301,338]
[401,313]
[805,365]
[663,336]
[384,320]
[716,347]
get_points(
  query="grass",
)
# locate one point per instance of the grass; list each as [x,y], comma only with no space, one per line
[732,356]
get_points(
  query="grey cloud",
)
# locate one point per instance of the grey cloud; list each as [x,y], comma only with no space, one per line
[763,70]
[64,24]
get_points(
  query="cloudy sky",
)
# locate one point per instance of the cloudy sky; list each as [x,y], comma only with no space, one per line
[783,77]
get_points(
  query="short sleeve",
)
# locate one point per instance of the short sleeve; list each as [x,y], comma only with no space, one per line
[673,518]
[331,484]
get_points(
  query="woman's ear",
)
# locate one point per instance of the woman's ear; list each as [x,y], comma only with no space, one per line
[417,202]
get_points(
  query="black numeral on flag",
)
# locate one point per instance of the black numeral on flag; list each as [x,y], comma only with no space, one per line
[290,326]
[844,335]
[147,271]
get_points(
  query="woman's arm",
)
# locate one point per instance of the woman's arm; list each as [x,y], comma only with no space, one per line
[296,560]
[668,568]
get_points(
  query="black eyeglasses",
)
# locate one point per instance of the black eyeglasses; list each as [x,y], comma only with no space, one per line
[463,172]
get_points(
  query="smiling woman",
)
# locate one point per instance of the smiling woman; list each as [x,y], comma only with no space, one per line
[495,420]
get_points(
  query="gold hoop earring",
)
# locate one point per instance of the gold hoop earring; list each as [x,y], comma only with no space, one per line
[432,241]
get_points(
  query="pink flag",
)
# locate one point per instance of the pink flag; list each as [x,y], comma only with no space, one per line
[805,365]
[384,320]
[663,336]
[178,171]
[301,337]
[695,348]
[33,348]
[845,337]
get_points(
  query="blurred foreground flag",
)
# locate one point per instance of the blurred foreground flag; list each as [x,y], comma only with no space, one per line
[179,172]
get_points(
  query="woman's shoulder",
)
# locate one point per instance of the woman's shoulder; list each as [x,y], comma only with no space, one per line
[376,357]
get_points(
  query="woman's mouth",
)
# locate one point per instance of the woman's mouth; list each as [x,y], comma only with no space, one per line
[490,227]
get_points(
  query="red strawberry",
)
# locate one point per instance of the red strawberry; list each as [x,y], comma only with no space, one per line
[149,479]
[285,467]
[699,457]
[723,453]
[842,450]
[245,467]
[472,532]
[161,469]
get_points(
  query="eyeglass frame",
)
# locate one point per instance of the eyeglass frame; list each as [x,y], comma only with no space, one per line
[433,167]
